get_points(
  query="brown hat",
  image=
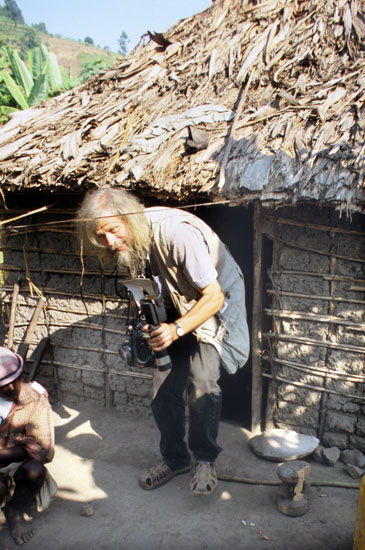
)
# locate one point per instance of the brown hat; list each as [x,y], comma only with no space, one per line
[11,366]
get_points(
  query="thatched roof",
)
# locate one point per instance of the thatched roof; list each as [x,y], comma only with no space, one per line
[245,100]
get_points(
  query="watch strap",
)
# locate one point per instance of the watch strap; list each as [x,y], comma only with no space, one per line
[179,329]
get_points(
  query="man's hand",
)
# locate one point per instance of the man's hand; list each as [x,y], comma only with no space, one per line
[161,337]
[209,303]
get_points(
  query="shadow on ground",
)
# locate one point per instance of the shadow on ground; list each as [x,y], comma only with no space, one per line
[99,456]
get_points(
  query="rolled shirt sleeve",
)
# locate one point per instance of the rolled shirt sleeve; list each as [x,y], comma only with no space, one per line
[190,252]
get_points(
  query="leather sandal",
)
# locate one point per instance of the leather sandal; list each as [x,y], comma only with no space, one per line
[204,480]
[160,474]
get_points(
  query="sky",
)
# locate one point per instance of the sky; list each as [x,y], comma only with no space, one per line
[105,20]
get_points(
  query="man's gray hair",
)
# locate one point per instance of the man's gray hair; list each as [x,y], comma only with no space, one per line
[116,202]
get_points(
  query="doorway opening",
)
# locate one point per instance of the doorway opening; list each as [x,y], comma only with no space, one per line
[234,226]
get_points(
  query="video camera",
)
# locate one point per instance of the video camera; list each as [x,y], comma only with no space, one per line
[150,310]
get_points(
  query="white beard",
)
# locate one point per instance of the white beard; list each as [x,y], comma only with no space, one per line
[128,260]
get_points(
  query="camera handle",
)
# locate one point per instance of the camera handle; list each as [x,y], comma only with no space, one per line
[162,358]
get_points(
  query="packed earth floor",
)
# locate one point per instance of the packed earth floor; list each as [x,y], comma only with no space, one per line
[100,506]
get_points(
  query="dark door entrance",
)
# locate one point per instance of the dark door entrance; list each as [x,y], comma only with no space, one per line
[234,225]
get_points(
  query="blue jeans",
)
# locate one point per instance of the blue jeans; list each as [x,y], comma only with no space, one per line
[196,369]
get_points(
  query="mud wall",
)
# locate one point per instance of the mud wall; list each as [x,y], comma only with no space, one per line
[314,338]
[315,349]
[83,318]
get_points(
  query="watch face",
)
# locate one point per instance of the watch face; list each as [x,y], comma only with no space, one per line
[179,330]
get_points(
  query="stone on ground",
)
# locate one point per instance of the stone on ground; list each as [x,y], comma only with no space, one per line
[280,445]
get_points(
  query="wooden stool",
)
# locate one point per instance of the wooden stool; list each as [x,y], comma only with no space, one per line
[292,498]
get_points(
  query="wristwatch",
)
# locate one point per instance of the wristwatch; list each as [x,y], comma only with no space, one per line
[179,329]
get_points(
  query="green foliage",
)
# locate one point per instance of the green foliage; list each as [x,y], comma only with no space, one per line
[10,33]
[29,40]
[3,58]
[74,53]
[93,67]
[123,40]
[48,77]
[17,36]
[89,40]
[15,90]
[19,71]
[6,100]
[22,86]
[11,11]
[5,112]
[41,27]
[68,81]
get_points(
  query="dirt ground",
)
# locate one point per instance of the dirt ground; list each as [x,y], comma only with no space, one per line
[99,455]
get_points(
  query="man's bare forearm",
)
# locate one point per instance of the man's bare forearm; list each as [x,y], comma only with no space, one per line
[209,303]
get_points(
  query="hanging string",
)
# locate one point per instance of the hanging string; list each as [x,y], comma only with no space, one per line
[81,220]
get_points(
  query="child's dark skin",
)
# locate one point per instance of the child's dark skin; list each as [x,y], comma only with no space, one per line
[28,479]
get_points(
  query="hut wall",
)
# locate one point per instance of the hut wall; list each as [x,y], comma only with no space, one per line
[83,318]
[315,350]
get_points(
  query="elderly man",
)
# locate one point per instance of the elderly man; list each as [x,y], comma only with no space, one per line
[26,444]
[203,292]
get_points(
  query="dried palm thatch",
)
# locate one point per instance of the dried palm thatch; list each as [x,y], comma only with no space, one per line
[246,100]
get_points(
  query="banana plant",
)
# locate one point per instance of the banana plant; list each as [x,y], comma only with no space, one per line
[19,82]
[26,86]
[41,61]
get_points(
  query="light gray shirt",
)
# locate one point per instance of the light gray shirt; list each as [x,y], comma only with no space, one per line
[190,253]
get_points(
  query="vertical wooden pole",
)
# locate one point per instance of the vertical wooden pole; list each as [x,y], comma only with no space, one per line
[14,300]
[322,415]
[271,403]
[359,540]
[109,395]
[256,338]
